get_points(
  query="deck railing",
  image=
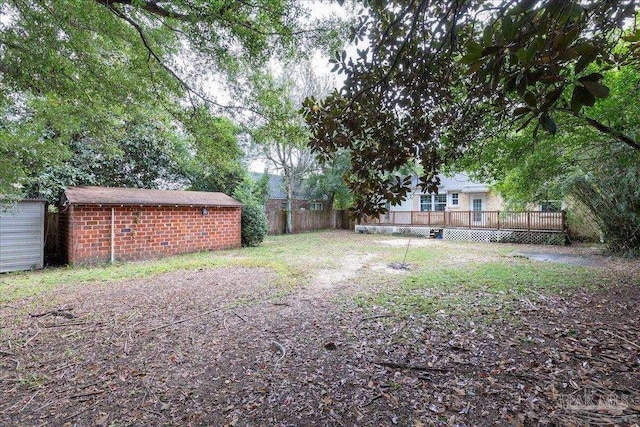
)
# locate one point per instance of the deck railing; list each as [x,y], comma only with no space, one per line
[497,220]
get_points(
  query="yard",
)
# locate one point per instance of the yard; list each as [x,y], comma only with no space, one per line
[330,328]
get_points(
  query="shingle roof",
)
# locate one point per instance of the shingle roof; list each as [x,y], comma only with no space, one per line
[276,187]
[457,182]
[89,195]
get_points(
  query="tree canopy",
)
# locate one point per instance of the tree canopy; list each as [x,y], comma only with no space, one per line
[429,79]
[577,163]
[77,70]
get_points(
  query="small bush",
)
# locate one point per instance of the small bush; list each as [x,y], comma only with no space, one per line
[254,224]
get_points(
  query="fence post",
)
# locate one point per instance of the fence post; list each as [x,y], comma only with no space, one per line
[528,221]
[564,221]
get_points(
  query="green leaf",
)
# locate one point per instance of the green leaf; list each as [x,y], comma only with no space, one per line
[585,60]
[475,67]
[580,97]
[598,90]
[508,29]
[487,35]
[469,59]
[593,77]
[548,124]
[522,55]
[530,99]
[474,49]
[568,55]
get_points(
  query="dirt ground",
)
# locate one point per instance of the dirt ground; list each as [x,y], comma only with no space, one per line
[227,347]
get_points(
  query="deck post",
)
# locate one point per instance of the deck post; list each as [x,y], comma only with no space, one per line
[498,220]
[528,221]
[469,219]
[564,221]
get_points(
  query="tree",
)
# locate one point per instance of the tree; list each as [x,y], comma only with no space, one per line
[330,181]
[281,135]
[429,79]
[216,163]
[144,155]
[71,68]
[577,162]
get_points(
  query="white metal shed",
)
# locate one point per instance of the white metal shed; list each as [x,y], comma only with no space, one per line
[22,236]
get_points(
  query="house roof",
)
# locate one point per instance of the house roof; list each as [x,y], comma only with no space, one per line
[276,187]
[458,182]
[89,195]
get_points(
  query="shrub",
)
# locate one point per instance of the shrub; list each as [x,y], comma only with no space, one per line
[254,224]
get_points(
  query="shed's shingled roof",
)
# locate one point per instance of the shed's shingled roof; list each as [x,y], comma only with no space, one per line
[89,195]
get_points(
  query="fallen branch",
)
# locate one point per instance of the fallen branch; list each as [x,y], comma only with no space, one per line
[373,399]
[394,365]
[81,411]
[631,343]
[6,353]
[380,316]
[30,400]
[239,317]
[60,325]
[184,320]
[63,312]
[32,338]
[282,349]
[93,393]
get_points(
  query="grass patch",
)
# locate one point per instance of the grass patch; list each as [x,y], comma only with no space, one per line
[293,258]
[477,287]
[444,275]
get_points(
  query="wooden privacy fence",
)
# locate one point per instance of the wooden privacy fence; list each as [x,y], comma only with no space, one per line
[497,220]
[307,220]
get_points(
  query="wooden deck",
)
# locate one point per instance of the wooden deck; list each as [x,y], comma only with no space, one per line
[489,220]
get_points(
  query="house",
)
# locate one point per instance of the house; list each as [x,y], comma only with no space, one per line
[100,224]
[22,235]
[467,210]
[455,193]
[277,200]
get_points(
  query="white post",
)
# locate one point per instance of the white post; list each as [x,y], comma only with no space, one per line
[113,235]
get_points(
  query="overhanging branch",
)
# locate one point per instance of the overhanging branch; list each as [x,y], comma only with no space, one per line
[149,6]
[606,129]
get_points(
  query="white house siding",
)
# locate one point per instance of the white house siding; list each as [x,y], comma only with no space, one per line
[462,185]
[407,205]
[22,236]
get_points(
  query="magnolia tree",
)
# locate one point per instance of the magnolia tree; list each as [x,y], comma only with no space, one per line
[429,79]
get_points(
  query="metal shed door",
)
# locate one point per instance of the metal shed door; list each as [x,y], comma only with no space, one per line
[22,237]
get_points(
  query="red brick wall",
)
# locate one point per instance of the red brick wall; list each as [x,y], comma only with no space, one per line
[146,231]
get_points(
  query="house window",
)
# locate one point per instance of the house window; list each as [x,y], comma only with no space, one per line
[455,199]
[550,206]
[433,202]
[315,206]
[425,202]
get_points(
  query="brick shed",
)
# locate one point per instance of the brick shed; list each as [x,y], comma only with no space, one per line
[99,224]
